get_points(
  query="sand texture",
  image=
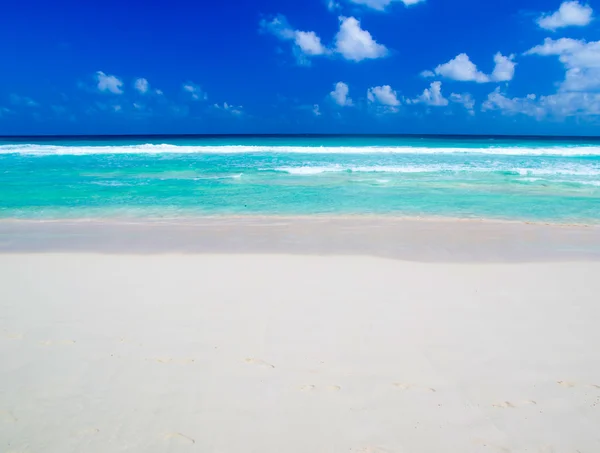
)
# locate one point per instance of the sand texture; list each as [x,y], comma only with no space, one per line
[278,353]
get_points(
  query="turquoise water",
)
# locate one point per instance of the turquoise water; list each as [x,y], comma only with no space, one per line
[512,178]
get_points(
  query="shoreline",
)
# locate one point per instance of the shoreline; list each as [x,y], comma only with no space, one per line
[293,217]
[428,240]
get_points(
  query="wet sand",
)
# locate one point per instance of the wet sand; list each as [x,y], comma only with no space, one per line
[433,240]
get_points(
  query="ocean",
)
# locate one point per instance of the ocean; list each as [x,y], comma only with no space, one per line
[509,178]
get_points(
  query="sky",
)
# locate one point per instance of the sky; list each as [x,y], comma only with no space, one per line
[315,66]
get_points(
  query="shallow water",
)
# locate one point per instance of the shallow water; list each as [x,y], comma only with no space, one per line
[512,178]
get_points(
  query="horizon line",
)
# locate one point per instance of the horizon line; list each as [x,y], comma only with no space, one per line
[296,135]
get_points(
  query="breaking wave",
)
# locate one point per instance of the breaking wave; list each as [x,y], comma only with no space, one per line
[565,169]
[49,150]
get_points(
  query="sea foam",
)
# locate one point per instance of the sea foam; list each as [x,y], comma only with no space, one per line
[549,170]
[44,150]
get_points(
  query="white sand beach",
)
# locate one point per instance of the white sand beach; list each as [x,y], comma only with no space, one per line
[272,353]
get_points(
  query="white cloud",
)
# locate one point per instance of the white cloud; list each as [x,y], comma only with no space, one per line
[381,5]
[305,43]
[433,95]
[571,104]
[577,95]
[581,79]
[556,47]
[465,99]
[340,95]
[383,95]
[309,43]
[351,41]
[570,13]
[356,44]
[234,110]
[427,74]
[561,104]
[332,5]
[581,61]
[510,106]
[462,69]
[109,83]
[316,110]
[142,85]
[278,26]
[159,92]
[504,71]
[195,91]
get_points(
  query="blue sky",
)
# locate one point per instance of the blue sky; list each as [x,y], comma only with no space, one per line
[316,66]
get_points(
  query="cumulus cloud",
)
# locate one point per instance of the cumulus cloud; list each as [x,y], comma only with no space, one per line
[195,92]
[433,96]
[504,71]
[564,104]
[581,79]
[496,100]
[141,85]
[309,43]
[581,60]
[556,47]
[340,95]
[356,44]
[109,83]
[381,5]
[577,95]
[316,110]
[383,95]
[570,13]
[561,104]
[465,99]
[277,26]
[332,5]
[234,110]
[304,43]
[558,104]
[351,42]
[462,69]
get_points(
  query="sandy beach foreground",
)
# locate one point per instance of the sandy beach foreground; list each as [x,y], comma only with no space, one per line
[241,351]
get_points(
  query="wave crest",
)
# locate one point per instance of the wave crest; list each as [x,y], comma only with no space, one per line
[571,170]
[148,148]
